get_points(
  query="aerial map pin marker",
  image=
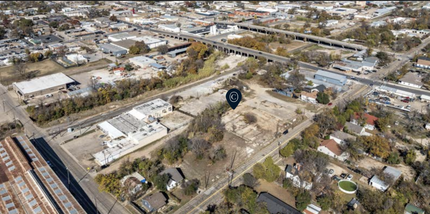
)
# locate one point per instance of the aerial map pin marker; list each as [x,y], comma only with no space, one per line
[233,97]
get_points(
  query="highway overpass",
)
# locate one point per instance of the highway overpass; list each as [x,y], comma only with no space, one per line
[221,46]
[296,36]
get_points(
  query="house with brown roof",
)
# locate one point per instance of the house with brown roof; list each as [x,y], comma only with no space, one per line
[332,149]
[369,120]
[423,62]
[309,97]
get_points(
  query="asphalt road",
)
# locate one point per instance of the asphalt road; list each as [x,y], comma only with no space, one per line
[62,172]
[51,149]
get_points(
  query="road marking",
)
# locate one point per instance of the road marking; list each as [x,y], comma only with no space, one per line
[248,168]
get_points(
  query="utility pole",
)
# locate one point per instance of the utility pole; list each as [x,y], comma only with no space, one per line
[68,178]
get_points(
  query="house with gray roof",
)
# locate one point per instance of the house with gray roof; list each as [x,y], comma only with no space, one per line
[382,185]
[356,129]
[340,137]
[275,205]
[154,202]
[176,177]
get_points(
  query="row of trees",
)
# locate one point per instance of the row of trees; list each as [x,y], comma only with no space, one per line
[123,89]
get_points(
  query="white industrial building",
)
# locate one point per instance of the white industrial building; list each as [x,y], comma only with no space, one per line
[150,41]
[42,85]
[171,28]
[141,61]
[120,36]
[133,130]
[77,58]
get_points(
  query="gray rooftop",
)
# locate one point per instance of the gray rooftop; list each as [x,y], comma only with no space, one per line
[413,78]
[354,128]
[342,135]
[331,75]
[275,205]
[111,48]
[174,173]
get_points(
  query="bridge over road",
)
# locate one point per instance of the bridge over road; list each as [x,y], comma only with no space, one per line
[297,36]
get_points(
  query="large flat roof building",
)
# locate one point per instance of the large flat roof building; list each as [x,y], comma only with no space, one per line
[42,85]
[132,130]
[333,78]
[28,184]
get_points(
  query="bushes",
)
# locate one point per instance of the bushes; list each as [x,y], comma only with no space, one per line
[249,118]
[267,171]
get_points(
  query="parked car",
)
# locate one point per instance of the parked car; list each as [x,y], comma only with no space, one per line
[349,177]
[343,175]
[331,171]
[405,101]
[336,178]
[285,132]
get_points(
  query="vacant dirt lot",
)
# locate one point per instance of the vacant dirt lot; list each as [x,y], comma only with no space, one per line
[193,168]
[82,148]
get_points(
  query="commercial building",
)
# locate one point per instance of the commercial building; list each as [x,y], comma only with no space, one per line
[176,52]
[113,49]
[133,130]
[42,85]
[356,66]
[412,80]
[150,41]
[141,61]
[423,62]
[120,36]
[28,184]
[170,28]
[325,76]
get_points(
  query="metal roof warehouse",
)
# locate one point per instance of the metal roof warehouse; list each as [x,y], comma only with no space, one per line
[336,79]
[42,85]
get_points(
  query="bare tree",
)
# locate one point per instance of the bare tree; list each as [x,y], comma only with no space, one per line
[19,67]
[94,83]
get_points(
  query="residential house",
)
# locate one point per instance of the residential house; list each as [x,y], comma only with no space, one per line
[275,205]
[423,62]
[176,177]
[133,182]
[381,185]
[356,129]
[332,149]
[312,209]
[412,80]
[289,92]
[292,172]
[369,120]
[411,209]
[309,97]
[340,137]
[353,204]
[154,202]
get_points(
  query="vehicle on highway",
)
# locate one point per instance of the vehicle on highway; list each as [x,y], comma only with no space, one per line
[260,53]
[285,132]
[353,78]
[49,163]
[223,40]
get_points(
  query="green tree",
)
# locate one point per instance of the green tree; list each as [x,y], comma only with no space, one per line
[323,98]
[272,170]
[325,202]
[303,199]
[133,50]
[259,171]
[393,158]
[53,24]
[290,148]
[410,157]
[160,181]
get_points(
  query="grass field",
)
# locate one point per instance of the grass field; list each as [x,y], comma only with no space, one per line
[348,186]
